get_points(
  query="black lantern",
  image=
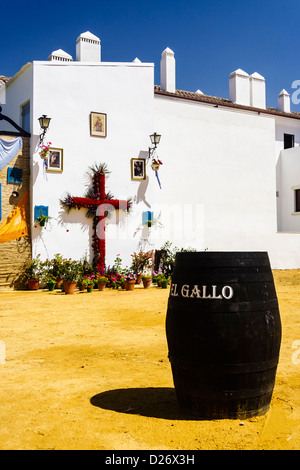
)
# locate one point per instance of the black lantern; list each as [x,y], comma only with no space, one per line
[44,124]
[155,139]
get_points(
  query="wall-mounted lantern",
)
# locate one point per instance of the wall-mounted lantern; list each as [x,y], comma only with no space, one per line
[44,125]
[155,139]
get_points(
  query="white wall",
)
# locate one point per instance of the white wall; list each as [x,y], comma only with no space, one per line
[222,164]
[17,92]
[289,171]
[222,160]
[68,93]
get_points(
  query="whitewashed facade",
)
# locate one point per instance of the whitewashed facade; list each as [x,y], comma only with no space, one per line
[227,181]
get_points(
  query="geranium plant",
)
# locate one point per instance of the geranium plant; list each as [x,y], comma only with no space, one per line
[141,261]
[156,161]
[89,281]
[33,268]
[102,279]
[45,149]
[71,270]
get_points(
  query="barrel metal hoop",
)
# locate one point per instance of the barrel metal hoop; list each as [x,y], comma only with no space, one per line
[225,368]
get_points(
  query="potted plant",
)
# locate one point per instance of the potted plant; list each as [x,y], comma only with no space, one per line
[32,272]
[70,275]
[57,266]
[88,282]
[51,284]
[141,261]
[157,276]
[45,149]
[50,281]
[101,282]
[130,279]
[156,164]
[164,282]
[146,281]
[42,220]
[80,282]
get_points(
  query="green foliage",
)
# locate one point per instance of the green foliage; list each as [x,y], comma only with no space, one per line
[33,268]
[169,258]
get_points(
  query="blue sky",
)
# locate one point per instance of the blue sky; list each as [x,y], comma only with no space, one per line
[210,38]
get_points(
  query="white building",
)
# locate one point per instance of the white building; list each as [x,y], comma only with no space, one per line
[230,179]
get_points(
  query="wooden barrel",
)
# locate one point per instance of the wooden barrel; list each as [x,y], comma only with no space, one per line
[223,331]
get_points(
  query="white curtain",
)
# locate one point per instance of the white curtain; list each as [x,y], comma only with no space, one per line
[8,150]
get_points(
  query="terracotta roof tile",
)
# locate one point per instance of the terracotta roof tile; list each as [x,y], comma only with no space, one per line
[189,95]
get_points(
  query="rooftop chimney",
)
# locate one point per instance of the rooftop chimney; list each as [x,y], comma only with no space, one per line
[239,87]
[257,91]
[88,48]
[60,55]
[284,102]
[167,71]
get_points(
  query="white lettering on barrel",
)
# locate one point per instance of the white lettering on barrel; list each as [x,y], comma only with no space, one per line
[174,292]
[214,293]
[196,291]
[229,290]
[185,290]
[204,296]
[202,292]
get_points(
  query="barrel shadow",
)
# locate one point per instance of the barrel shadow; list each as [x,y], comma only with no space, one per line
[151,402]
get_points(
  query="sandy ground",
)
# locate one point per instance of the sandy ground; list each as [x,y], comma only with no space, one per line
[90,371]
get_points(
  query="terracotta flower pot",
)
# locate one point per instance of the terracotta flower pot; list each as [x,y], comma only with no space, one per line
[146,283]
[101,285]
[129,285]
[33,284]
[138,279]
[69,287]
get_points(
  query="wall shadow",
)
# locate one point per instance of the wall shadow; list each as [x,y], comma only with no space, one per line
[153,402]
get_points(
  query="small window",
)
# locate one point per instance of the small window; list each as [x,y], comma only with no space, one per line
[288,140]
[14,175]
[25,115]
[297,200]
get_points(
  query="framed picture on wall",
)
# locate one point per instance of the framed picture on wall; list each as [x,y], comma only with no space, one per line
[55,160]
[98,124]
[138,169]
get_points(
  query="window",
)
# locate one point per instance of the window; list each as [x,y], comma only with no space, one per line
[25,116]
[297,200]
[14,175]
[288,141]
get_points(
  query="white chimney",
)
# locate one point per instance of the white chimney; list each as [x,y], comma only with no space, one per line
[239,87]
[88,48]
[60,55]
[167,71]
[257,91]
[284,102]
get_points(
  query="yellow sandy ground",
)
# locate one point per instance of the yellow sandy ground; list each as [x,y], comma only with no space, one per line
[90,371]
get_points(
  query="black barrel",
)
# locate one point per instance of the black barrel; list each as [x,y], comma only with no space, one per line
[224,332]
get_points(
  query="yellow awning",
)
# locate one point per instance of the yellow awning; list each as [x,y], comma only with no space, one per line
[15,225]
